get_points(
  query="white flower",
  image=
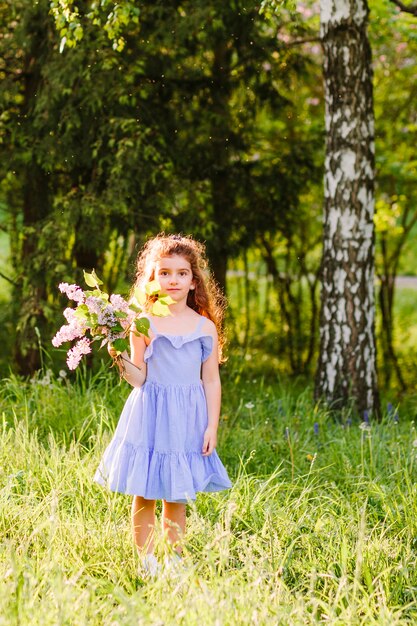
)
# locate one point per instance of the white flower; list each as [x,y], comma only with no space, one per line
[249,405]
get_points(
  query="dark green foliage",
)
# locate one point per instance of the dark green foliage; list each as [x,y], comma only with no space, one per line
[180,130]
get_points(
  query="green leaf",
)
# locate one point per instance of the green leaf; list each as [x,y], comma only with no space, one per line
[140,296]
[142,326]
[81,312]
[120,345]
[166,299]
[92,280]
[152,287]
[160,309]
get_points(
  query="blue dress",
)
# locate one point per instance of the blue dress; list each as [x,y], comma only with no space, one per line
[156,448]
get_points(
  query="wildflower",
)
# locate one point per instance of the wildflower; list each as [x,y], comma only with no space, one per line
[366,417]
[287,433]
[316,428]
[310,457]
[249,405]
[62,374]
[364,426]
[74,355]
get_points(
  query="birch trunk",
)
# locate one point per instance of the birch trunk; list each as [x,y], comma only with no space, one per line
[347,359]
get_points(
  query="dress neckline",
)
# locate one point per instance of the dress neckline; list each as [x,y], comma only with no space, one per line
[196,330]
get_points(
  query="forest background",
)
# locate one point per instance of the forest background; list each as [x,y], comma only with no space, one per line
[212,126]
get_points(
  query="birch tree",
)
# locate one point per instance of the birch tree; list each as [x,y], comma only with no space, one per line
[347,359]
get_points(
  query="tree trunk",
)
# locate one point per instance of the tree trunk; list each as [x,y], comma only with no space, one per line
[347,360]
[30,295]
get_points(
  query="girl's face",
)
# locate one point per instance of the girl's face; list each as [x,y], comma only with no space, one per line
[175,276]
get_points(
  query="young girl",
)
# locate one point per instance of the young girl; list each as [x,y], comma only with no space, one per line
[164,444]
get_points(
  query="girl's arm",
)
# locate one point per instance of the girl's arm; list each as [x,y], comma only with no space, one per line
[133,368]
[212,388]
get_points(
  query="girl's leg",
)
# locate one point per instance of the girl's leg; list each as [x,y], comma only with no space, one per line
[173,520]
[143,523]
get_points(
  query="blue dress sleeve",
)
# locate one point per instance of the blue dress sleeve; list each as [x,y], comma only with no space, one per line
[206,347]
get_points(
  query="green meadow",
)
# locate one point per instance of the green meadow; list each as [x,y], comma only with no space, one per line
[320,526]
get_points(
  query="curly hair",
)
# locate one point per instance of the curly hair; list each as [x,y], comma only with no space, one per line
[206,299]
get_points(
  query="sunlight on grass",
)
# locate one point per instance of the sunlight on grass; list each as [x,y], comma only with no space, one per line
[335,544]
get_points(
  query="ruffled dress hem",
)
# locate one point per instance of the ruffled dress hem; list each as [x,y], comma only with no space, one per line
[171,476]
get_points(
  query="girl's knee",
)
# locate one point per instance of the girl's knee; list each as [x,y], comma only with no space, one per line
[140,502]
[177,508]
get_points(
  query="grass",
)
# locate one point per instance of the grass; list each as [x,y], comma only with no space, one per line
[319,527]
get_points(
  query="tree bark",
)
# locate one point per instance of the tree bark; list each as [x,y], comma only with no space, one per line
[30,295]
[347,360]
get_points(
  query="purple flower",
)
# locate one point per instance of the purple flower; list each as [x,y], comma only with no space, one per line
[73,292]
[389,408]
[106,316]
[68,332]
[69,314]
[366,417]
[75,354]
[119,303]
[316,428]
[94,304]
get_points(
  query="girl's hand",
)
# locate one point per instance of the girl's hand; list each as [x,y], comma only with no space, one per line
[112,351]
[210,441]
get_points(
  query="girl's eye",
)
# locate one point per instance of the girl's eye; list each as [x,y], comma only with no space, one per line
[163,273]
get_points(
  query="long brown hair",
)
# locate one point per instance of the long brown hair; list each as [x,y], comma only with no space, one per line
[206,299]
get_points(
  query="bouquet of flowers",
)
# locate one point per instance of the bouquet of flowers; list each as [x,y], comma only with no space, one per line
[99,316]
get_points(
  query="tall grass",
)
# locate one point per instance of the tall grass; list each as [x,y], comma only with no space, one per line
[319,527]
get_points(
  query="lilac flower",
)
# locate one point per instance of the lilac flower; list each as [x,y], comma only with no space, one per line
[94,304]
[366,417]
[316,428]
[73,292]
[69,314]
[75,354]
[68,332]
[119,303]
[106,317]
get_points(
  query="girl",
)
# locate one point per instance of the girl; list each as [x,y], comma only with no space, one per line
[164,444]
